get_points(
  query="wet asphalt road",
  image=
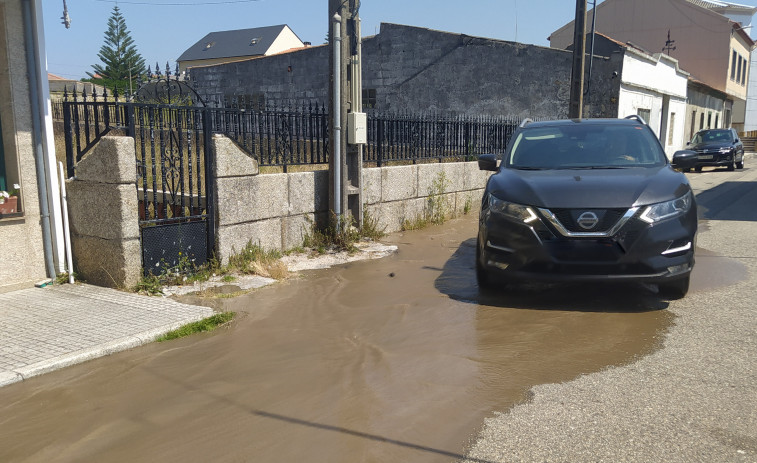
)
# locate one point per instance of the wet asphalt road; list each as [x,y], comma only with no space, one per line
[695,399]
[403,359]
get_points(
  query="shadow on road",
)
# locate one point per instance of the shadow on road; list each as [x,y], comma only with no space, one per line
[458,281]
[729,201]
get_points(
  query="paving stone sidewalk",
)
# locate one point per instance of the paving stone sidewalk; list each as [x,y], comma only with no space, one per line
[45,329]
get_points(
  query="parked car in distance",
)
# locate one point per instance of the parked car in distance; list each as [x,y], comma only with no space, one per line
[717,148]
[587,200]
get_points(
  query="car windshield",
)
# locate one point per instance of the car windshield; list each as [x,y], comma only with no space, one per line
[585,146]
[710,136]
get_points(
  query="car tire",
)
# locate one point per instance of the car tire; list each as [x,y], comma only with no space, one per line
[482,276]
[686,170]
[740,164]
[731,167]
[676,289]
[698,169]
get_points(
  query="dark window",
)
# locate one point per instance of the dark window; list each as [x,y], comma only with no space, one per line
[709,120]
[717,116]
[369,98]
[743,73]
[738,71]
[733,65]
[693,124]
[584,145]
[714,135]
[701,121]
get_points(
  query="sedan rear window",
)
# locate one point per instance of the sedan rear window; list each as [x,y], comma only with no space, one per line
[585,146]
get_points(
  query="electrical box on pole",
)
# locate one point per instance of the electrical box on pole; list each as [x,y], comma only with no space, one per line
[357,128]
[346,95]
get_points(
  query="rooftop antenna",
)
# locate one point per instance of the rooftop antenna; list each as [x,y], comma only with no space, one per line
[669,45]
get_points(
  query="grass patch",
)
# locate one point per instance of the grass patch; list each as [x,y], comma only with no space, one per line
[437,206]
[371,228]
[342,234]
[207,324]
[254,260]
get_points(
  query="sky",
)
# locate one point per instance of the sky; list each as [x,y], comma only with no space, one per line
[163,29]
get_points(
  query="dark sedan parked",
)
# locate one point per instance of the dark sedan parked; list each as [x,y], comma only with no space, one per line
[591,199]
[717,148]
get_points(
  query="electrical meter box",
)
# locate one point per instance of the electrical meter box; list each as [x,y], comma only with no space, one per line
[357,132]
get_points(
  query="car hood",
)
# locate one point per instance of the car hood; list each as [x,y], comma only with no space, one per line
[595,188]
[710,146]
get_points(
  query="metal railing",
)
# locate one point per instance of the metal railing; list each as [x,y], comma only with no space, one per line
[286,136]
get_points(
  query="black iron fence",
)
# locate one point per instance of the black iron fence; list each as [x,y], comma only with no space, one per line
[444,138]
[284,136]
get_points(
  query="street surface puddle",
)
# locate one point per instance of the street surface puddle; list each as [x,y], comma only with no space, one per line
[713,271]
[398,359]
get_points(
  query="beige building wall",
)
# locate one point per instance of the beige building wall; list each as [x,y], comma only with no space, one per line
[739,52]
[285,41]
[21,250]
[704,51]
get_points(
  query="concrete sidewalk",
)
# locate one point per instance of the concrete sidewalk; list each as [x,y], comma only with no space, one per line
[44,329]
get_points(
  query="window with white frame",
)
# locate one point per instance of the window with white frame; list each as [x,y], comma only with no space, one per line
[644,114]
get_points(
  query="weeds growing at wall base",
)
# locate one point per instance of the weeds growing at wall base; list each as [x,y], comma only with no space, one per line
[342,234]
[251,260]
[437,206]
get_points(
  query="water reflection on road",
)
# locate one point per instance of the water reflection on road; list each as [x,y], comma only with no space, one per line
[399,359]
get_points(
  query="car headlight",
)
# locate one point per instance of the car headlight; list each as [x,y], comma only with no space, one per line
[512,211]
[667,210]
[725,150]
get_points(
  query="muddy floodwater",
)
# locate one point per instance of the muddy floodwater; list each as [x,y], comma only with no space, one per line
[398,359]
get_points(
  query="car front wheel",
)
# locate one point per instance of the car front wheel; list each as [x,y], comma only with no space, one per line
[675,289]
[482,276]
[740,164]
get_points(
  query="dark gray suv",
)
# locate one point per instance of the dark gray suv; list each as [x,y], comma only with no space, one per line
[590,199]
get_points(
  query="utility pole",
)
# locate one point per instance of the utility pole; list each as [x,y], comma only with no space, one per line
[575,107]
[348,122]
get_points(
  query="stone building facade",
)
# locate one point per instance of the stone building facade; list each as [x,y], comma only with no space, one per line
[418,70]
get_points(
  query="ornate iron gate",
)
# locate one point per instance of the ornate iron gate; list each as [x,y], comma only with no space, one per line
[174,160]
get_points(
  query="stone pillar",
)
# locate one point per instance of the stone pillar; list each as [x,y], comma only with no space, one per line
[104,215]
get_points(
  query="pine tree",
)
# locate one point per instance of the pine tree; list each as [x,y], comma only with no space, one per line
[121,61]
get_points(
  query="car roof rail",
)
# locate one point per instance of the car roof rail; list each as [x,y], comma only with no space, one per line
[636,117]
[525,122]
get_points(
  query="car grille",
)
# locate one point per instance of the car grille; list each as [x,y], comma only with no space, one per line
[569,219]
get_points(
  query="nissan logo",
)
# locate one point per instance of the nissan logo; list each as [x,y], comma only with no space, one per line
[587,220]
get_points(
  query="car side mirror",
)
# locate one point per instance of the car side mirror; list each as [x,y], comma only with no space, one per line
[684,159]
[487,162]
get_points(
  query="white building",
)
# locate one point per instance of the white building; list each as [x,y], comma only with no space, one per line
[654,87]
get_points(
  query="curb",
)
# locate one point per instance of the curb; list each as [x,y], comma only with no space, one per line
[84,355]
